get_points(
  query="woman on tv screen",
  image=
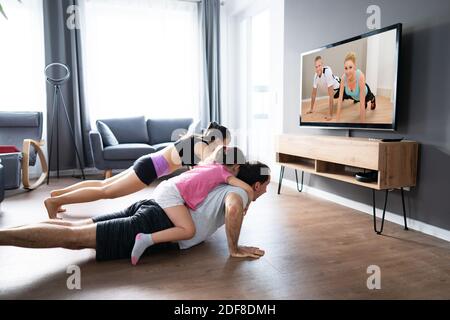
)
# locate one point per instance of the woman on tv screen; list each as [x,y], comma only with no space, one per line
[354,85]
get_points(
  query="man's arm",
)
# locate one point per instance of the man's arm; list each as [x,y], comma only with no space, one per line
[234,215]
[330,102]
[313,99]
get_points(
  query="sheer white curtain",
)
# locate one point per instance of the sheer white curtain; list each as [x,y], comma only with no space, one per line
[22,57]
[141,57]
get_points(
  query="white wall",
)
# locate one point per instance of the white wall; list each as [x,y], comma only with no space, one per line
[372,69]
[386,71]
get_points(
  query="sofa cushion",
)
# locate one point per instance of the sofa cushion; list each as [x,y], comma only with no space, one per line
[129,130]
[127,151]
[108,137]
[161,146]
[19,119]
[166,130]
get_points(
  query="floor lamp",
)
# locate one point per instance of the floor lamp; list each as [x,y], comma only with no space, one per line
[57,95]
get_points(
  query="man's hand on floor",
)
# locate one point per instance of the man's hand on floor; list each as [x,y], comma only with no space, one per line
[248,252]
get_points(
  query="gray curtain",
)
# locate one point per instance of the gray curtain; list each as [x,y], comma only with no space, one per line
[210,26]
[63,45]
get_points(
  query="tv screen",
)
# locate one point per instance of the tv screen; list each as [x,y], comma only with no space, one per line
[337,77]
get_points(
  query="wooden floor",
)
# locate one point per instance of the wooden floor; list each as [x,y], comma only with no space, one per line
[315,249]
[350,111]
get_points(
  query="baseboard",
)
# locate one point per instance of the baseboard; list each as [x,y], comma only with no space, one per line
[362,207]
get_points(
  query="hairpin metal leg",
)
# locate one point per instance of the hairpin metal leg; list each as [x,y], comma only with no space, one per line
[374,212]
[404,210]
[384,211]
[296,179]
[280,179]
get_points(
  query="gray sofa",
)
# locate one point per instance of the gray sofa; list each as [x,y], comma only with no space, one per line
[131,138]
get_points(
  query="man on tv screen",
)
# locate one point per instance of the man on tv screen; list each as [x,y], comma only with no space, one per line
[325,79]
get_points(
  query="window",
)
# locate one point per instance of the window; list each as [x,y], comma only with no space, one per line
[258,85]
[141,57]
[260,65]
[253,89]
[22,60]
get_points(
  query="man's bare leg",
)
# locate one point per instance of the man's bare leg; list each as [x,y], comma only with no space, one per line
[50,236]
[60,222]
[78,223]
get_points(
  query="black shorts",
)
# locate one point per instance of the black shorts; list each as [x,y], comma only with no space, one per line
[145,169]
[116,232]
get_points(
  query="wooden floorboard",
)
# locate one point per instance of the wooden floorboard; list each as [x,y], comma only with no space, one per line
[315,249]
[349,112]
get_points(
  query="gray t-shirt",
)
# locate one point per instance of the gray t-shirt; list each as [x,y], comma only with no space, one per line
[210,215]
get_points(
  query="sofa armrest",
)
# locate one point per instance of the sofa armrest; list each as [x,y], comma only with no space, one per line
[96,143]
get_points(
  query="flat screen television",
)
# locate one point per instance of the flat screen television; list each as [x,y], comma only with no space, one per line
[337,77]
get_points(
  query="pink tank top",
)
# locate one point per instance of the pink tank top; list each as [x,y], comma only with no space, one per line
[194,185]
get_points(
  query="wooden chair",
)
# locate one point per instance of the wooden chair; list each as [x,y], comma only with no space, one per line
[27,143]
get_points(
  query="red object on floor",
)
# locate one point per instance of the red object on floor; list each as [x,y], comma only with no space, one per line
[8,149]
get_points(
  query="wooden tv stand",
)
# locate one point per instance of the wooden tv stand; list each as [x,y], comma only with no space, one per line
[340,158]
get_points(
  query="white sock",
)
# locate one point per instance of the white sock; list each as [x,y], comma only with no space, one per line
[141,243]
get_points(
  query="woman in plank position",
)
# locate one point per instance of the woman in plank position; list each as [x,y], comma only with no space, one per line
[187,151]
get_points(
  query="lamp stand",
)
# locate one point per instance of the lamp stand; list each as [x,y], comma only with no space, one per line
[55,123]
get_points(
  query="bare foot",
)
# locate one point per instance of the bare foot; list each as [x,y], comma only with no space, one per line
[51,207]
[328,118]
[55,193]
